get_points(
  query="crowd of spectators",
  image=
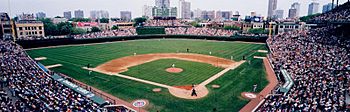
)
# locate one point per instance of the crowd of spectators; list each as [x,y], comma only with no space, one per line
[339,14]
[198,31]
[165,23]
[319,65]
[107,33]
[31,88]
[132,32]
[40,37]
[7,104]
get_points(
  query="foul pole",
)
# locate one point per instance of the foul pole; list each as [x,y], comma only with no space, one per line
[270,29]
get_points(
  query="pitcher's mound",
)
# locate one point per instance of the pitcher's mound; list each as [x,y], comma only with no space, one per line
[187,87]
[174,70]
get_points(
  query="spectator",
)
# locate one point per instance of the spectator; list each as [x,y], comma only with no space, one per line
[313,59]
[34,90]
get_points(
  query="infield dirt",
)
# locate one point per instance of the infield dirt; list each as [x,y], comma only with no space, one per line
[122,64]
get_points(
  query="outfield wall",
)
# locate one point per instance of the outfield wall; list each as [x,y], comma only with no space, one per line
[68,41]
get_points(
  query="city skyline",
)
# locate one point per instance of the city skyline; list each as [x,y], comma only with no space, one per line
[135,6]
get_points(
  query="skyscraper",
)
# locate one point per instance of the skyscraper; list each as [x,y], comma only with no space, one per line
[206,15]
[327,7]
[292,13]
[294,10]
[313,8]
[67,15]
[223,15]
[197,13]
[184,9]
[163,3]
[40,15]
[226,15]
[147,11]
[279,14]
[164,12]
[79,14]
[163,9]
[96,14]
[125,15]
[271,8]
[296,6]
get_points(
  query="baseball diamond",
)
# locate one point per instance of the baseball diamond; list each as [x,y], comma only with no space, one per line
[174,56]
[196,70]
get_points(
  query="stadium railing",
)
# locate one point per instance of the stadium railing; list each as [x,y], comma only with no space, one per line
[82,85]
[289,82]
[96,91]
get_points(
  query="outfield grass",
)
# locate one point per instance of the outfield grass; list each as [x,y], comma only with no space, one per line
[226,98]
[194,72]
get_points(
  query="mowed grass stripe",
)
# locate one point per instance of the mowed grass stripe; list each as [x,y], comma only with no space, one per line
[225,99]
[194,72]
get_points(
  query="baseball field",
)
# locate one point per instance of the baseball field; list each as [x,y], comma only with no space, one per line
[108,57]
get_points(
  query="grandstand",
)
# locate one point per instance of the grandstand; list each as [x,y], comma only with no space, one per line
[339,15]
[33,89]
[312,68]
[318,62]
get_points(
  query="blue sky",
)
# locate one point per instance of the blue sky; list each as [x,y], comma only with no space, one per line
[57,7]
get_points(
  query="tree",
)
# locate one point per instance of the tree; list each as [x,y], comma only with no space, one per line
[104,20]
[258,31]
[15,18]
[307,18]
[95,29]
[75,31]
[50,28]
[232,28]
[195,24]
[115,28]
[80,19]
[139,21]
[115,19]
[64,28]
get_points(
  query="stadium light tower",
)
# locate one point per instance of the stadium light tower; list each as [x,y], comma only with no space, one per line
[337,3]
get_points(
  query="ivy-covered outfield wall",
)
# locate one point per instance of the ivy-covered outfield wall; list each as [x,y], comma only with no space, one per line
[150,30]
[67,41]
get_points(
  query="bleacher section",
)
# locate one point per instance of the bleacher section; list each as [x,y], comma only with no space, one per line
[35,89]
[317,61]
[150,30]
[339,15]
